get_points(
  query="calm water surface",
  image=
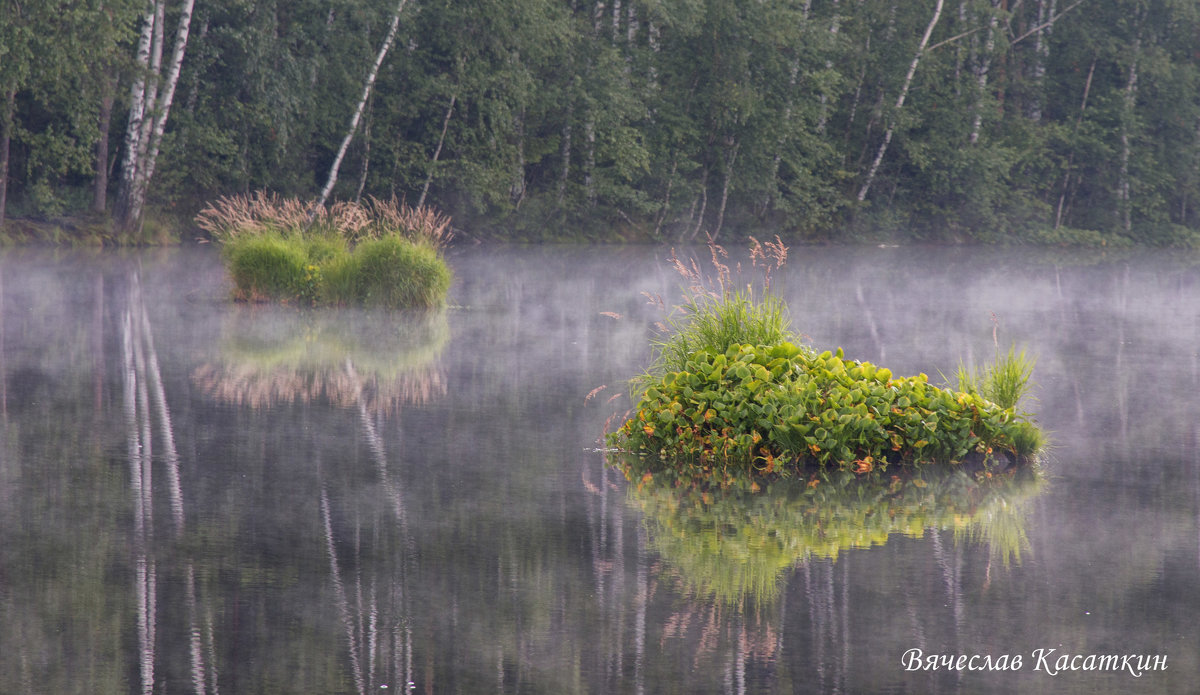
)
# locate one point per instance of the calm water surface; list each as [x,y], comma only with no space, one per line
[197,496]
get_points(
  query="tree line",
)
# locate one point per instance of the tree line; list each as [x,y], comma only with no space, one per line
[983,120]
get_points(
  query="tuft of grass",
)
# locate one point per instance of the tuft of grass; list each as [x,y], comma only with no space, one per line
[391,272]
[1004,382]
[1026,439]
[382,253]
[716,315]
[261,212]
[266,266]
[715,324]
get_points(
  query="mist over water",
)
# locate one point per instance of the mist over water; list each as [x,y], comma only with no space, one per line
[202,496]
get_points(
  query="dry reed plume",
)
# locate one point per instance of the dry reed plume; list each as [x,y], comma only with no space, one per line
[767,257]
[262,212]
[258,388]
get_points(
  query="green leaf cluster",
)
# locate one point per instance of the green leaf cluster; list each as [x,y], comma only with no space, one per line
[737,543]
[776,409]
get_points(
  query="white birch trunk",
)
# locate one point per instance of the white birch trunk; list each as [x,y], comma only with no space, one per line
[137,113]
[362,103]
[1041,52]
[777,159]
[168,96]
[150,106]
[834,28]
[912,70]
[6,121]
[730,157]
[516,189]
[565,155]
[589,159]
[981,75]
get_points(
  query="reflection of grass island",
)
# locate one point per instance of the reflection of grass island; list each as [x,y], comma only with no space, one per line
[276,355]
[379,253]
[732,396]
[733,544]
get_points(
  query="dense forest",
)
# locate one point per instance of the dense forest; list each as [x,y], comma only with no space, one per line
[1051,121]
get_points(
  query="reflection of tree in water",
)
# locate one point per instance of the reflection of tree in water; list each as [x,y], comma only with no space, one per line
[372,364]
[728,554]
[374,606]
[145,403]
[273,355]
[281,362]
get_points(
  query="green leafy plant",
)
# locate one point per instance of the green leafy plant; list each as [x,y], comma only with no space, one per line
[730,396]
[776,409]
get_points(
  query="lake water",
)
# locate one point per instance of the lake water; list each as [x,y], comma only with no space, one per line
[198,496]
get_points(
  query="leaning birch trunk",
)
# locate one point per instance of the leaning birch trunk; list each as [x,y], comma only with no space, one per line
[1066,184]
[730,157]
[144,137]
[437,151]
[912,70]
[362,103]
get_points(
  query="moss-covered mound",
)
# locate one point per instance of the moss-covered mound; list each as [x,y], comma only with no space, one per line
[772,410]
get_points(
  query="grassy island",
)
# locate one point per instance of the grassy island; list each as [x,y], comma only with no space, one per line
[377,253]
[733,396]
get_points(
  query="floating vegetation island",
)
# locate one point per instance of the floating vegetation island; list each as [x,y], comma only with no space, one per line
[378,253]
[719,408]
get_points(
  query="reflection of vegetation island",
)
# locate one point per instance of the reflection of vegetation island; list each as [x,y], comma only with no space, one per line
[273,356]
[731,397]
[735,543]
[379,253]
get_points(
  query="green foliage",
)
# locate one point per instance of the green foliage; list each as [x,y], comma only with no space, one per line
[268,266]
[393,272]
[777,409]
[664,120]
[715,324]
[1004,382]
[390,271]
[736,543]
[379,254]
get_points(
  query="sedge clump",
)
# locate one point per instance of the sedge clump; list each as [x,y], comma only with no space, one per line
[377,253]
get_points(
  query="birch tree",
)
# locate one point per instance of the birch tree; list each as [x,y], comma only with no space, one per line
[149,106]
[362,104]
[981,73]
[912,70]
[1129,103]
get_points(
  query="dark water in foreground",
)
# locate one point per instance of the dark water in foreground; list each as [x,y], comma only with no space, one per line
[202,497]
